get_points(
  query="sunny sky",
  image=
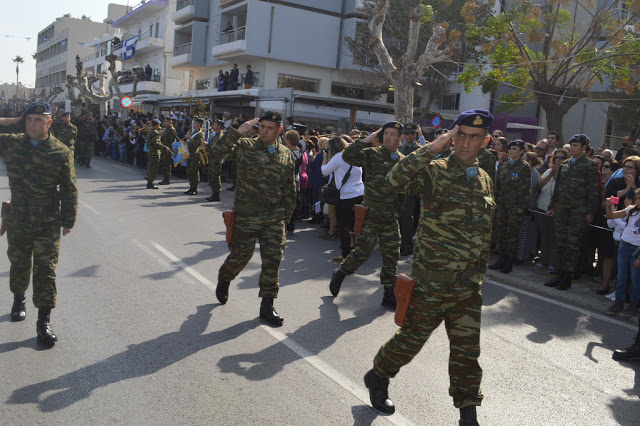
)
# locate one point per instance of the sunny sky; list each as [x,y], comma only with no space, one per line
[25,18]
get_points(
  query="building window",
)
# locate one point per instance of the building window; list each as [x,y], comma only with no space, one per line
[298,83]
[203,84]
[450,101]
[347,91]
[157,29]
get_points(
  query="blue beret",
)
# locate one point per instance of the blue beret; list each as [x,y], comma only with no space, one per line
[271,116]
[156,121]
[473,118]
[219,122]
[410,128]
[518,142]
[66,113]
[393,125]
[583,139]
[38,108]
[199,120]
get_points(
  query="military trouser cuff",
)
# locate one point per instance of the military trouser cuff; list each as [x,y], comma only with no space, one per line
[268,293]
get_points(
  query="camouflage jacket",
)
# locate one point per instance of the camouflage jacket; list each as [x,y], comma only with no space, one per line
[34,176]
[408,149]
[265,181]
[86,130]
[382,200]
[195,142]
[169,136]
[577,185]
[513,185]
[457,211]
[153,140]
[487,162]
[212,141]
[65,133]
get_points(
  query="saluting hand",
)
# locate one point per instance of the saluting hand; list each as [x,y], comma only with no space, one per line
[443,141]
[247,125]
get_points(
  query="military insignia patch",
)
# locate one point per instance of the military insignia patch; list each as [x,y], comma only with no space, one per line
[477,121]
[394,155]
[472,172]
[34,142]
[271,149]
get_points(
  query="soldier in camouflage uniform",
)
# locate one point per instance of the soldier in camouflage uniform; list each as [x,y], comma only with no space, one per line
[154,149]
[195,140]
[412,202]
[452,248]
[265,198]
[37,164]
[385,205]
[487,162]
[87,135]
[168,137]
[575,196]
[64,131]
[215,162]
[513,193]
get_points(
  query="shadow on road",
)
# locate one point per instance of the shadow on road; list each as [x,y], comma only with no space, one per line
[215,249]
[621,408]
[88,271]
[363,415]
[138,360]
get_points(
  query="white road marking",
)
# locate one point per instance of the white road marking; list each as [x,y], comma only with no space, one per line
[188,269]
[88,207]
[565,305]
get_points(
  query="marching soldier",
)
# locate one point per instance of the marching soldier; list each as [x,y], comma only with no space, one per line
[215,162]
[37,164]
[64,131]
[411,211]
[167,138]
[383,204]
[154,148]
[450,260]
[194,141]
[265,198]
[87,135]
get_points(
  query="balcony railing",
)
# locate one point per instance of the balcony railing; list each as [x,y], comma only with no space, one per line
[232,35]
[128,78]
[182,49]
[184,3]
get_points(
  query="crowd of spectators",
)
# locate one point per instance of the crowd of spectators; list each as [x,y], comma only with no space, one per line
[233,79]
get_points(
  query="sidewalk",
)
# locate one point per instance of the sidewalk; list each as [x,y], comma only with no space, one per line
[582,293]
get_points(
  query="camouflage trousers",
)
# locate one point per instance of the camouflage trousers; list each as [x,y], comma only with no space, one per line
[570,227]
[84,149]
[389,236]
[42,244]
[213,173]
[268,229]
[164,167]
[507,228]
[458,304]
[153,161]
[193,170]
[408,222]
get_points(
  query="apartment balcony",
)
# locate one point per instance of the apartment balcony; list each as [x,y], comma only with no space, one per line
[181,57]
[144,87]
[189,46]
[145,44]
[188,10]
[232,44]
[225,3]
[142,11]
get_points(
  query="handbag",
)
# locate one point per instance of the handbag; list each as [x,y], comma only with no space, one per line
[330,194]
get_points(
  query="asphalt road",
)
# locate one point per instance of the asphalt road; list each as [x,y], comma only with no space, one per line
[144,341]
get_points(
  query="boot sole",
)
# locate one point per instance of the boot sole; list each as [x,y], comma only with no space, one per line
[272,321]
[385,410]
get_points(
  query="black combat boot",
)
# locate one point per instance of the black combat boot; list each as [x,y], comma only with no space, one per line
[632,353]
[19,308]
[87,164]
[499,263]
[232,187]
[268,312]
[43,328]
[553,281]
[222,290]
[389,297]
[379,392]
[165,181]
[565,281]
[214,197]
[150,185]
[468,416]
[507,265]
[336,282]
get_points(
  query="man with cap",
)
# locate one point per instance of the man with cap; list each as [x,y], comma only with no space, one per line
[384,207]
[573,205]
[154,147]
[449,263]
[44,197]
[513,193]
[87,135]
[194,140]
[254,132]
[64,131]
[215,161]
[411,211]
[265,198]
[168,137]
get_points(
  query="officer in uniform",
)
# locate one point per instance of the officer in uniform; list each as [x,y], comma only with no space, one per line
[452,248]
[411,211]
[215,162]
[194,141]
[154,148]
[575,196]
[64,131]
[265,198]
[513,193]
[384,207]
[167,138]
[37,164]
[87,135]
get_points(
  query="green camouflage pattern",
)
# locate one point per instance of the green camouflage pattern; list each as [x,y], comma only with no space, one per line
[87,135]
[487,161]
[193,163]
[513,193]
[37,211]
[66,133]
[408,149]
[154,145]
[169,136]
[214,170]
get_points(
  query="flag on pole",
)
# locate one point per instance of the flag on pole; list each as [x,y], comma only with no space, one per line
[207,130]
[129,48]
[176,148]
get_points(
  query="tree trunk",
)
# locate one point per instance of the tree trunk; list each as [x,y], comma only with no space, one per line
[403,93]
[17,82]
[554,119]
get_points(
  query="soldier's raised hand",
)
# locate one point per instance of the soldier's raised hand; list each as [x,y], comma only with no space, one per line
[247,125]
[443,141]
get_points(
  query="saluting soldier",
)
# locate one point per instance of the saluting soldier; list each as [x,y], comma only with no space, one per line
[452,248]
[64,131]
[37,164]
[513,193]
[384,207]
[265,198]
[87,135]
[194,141]
[168,137]
[411,211]
[154,148]
[215,162]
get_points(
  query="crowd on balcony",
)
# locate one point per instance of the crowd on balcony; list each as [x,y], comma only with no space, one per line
[233,79]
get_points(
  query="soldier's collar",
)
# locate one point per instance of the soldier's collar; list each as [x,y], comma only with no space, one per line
[462,166]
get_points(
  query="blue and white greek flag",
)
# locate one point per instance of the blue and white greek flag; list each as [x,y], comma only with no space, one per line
[129,48]
[207,130]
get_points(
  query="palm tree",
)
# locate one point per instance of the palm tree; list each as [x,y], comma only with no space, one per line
[18,60]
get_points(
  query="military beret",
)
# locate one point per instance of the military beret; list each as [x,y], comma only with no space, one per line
[410,128]
[518,142]
[219,122]
[441,132]
[583,139]
[156,121]
[473,118]
[393,125]
[38,108]
[199,120]
[66,113]
[300,128]
[271,116]
[256,127]
[84,113]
